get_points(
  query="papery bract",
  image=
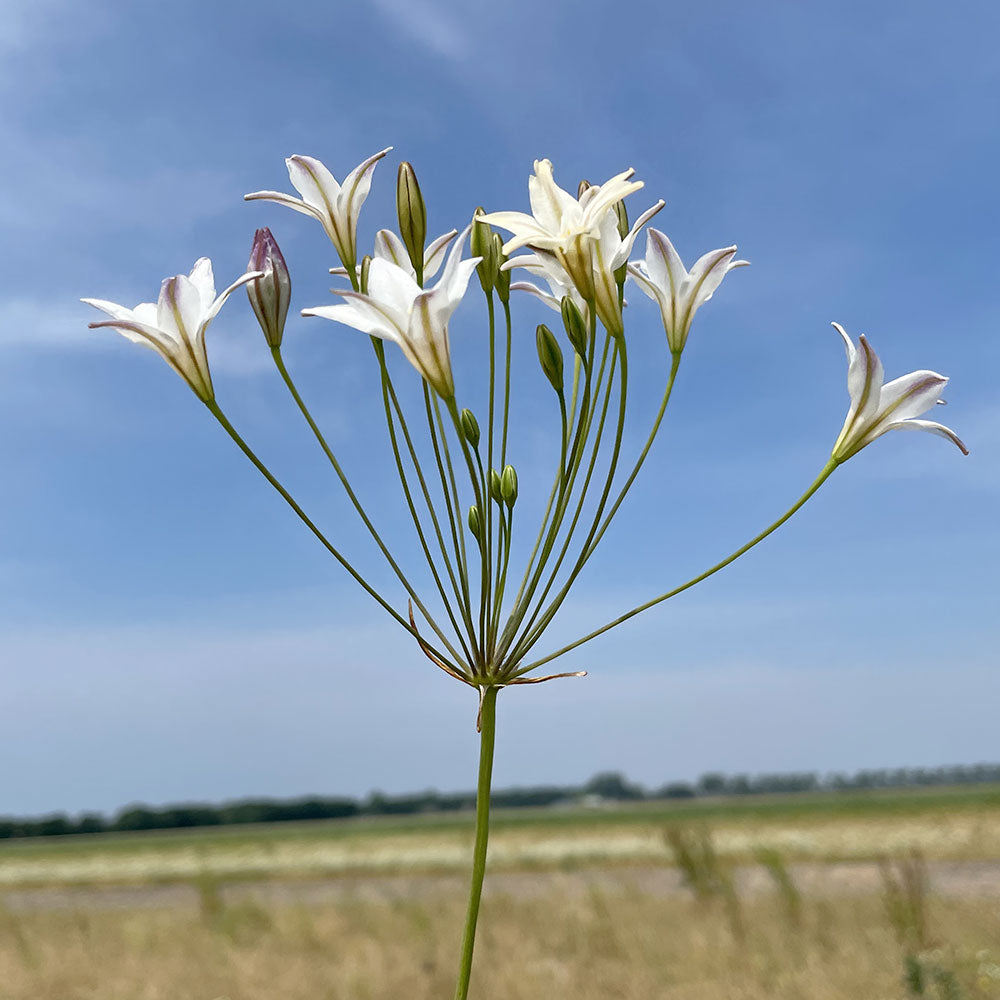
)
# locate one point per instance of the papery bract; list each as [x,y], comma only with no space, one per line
[175,325]
[679,292]
[877,408]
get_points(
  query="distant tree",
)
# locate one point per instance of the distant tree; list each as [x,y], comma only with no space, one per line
[612,785]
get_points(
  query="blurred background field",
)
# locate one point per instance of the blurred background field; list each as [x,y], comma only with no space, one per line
[877,895]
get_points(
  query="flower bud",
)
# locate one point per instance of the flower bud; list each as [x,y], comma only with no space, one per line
[508,485]
[412,216]
[550,356]
[481,245]
[475,523]
[495,485]
[576,328]
[270,294]
[502,277]
[470,427]
[366,263]
[622,213]
[581,187]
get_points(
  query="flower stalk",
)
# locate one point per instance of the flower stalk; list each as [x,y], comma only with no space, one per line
[458,478]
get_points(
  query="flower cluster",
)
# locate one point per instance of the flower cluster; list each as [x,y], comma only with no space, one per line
[580,246]
[457,471]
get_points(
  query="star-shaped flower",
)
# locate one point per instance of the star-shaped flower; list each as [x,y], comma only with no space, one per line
[396,308]
[336,206]
[175,326]
[679,292]
[877,408]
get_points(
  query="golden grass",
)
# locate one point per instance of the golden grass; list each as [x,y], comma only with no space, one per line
[572,937]
[960,833]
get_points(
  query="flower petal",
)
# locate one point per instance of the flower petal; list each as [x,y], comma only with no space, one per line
[435,252]
[203,279]
[287,200]
[311,178]
[356,186]
[622,254]
[928,425]
[362,314]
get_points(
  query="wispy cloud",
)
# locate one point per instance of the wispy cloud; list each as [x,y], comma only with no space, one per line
[435,29]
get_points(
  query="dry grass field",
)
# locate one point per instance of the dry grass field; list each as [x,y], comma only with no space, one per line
[791,905]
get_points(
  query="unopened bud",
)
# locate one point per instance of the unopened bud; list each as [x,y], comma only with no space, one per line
[550,356]
[583,185]
[576,328]
[470,427]
[502,277]
[475,522]
[508,485]
[366,263]
[412,215]
[495,485]
[622,213]
[271,293]
[481,245]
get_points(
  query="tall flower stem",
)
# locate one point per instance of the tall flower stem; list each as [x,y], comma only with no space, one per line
[487,727]
[824,475]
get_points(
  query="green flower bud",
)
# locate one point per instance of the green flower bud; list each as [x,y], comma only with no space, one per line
[508,485]
[470,427]
[622,272]
[502,277]
[576,327]
[495,486]
[481,244]
[475,523]
[550,356]
[366,263]
[622,213]
[412,216]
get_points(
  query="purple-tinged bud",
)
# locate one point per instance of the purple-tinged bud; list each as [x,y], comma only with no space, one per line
[271,293]
[412,216]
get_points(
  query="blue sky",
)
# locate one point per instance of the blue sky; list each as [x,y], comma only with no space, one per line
[170,631]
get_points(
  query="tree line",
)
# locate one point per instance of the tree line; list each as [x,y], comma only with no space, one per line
[608,786]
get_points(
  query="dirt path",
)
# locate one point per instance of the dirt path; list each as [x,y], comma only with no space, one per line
[958,878]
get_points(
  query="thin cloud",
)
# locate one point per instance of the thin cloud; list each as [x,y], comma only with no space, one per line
[429,25]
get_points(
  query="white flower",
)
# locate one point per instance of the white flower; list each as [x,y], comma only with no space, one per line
[571,230]
[679,292]
[175,326]
[608,253]
[877,408]
[337,206]
[396,308]
[388,246]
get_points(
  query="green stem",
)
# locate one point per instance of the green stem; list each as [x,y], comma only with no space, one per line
[818,482]
[487,725]
[216,412]
[321,440]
